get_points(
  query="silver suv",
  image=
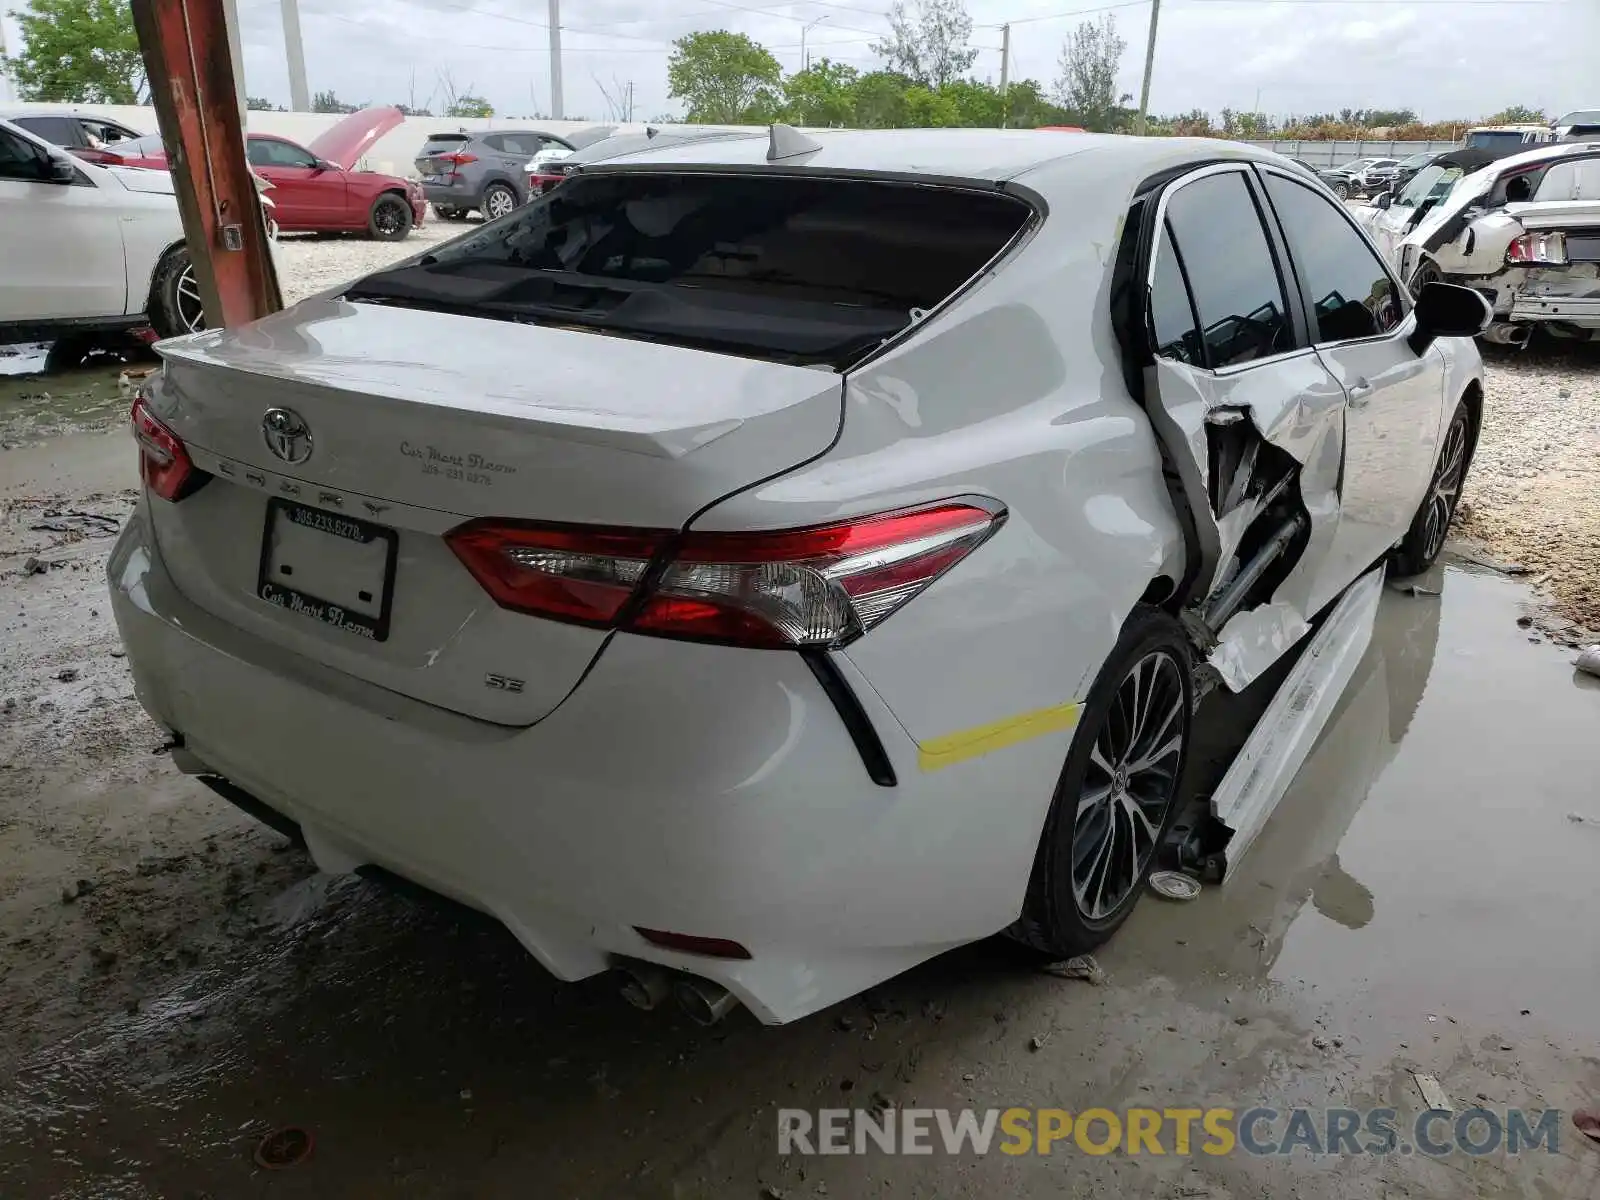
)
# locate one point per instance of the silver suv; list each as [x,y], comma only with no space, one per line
[465,171]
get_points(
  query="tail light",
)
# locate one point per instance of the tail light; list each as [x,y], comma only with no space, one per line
[460,159]
[164,464]
[1538,249]
[821,586]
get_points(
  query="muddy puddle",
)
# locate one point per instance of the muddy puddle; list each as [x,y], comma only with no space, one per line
[50,390]
[1422,901]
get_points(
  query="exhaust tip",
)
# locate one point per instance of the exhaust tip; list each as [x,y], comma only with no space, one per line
[643,986]
[704,1002]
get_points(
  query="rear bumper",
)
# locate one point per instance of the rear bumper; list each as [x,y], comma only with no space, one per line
[691,788]
[457,194]
[1583,311]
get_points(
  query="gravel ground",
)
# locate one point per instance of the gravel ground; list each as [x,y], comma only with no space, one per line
[1533,497]
[308,263]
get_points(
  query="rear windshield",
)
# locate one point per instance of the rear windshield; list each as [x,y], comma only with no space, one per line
[444,142]
[790,269]
[1491,139]
[142,147]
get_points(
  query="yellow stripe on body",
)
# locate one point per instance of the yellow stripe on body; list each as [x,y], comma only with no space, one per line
[940,752]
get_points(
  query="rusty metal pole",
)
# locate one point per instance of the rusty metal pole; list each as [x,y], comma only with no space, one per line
[191,73]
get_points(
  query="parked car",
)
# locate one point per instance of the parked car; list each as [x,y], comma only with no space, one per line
[838,586]
[1583,123]
[316,187]
[1524,230]
[88,249]
[1394,178]
[86,135]
[545,173]
[484,171]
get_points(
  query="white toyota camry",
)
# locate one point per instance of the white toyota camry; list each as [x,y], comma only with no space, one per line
[762,564]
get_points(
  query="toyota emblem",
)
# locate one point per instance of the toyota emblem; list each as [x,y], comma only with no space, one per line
[287,435]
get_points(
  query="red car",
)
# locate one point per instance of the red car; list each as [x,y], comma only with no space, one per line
[314,189]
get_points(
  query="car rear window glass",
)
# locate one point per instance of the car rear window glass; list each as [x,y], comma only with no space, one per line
[142,147]
[1352,295]
[1243,313]
[794,269]
[444,143]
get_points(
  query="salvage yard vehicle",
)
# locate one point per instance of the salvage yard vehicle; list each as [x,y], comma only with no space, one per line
[316,187]
[542,176]
[81,133]
[1523,230]
[1507,139]
[484,171]
[840,586]
[87,249]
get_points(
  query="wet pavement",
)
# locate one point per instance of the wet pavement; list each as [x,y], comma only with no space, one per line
[1423,900]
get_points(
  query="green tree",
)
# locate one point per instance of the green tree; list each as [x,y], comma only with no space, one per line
[881,100]
[1517,114]
[1087,83]
[823,94]
[977,105]
[1027,107]
[261,104]
[929,46]
[723,77]
[327,102]
[928,109]
[77,52]
[469,106]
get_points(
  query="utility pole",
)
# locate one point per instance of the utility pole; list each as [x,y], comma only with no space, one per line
[557,108]
[629,117]
[805,59]
[299,95]
[1005,71]
[1149,62]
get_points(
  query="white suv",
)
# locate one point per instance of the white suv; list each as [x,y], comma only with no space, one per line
[88,249]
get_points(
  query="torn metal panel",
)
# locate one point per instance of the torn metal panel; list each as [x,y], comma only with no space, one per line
[1282,739]
[1246,447]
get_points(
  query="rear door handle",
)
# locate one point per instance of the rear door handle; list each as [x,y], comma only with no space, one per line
[1360,393]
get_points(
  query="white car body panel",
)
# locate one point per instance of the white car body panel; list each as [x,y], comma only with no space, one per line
[634,781]
[83,250]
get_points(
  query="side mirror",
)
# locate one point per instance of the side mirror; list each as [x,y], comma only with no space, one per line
[1384,200]
[55,168]
[323,164]
[1448,310]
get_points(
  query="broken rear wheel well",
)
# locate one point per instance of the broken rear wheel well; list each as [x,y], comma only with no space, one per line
[1473,399]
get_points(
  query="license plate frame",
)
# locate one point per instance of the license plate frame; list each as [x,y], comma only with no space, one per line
[334,525]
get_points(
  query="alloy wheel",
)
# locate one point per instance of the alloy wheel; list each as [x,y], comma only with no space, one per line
[191,308]
[388,217]
[498,203]
[1446,488]
[1130,785]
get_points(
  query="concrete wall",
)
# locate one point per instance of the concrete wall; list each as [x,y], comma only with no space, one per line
[1331,154]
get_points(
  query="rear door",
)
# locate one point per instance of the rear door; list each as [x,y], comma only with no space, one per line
[1360,317]
[1234,370]
[61,252]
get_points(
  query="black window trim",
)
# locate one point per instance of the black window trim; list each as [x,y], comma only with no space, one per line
[1294,300]
[1402,293]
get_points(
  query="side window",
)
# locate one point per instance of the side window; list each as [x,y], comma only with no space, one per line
[17,158]
[58,131]
[1237,293]
[1171,315]
[273,153]
[1352,296]
[497,143]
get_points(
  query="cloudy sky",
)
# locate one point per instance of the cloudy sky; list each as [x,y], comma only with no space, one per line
[1445,58]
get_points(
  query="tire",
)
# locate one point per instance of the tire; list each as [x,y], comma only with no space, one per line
[1419,549]
[499,199]
[1342,190]
[450,214]
[389,219]
[175,306]
[1144,690]
[1425,274]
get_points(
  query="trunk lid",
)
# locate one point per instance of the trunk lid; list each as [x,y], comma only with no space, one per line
[404,424]
[433,158]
